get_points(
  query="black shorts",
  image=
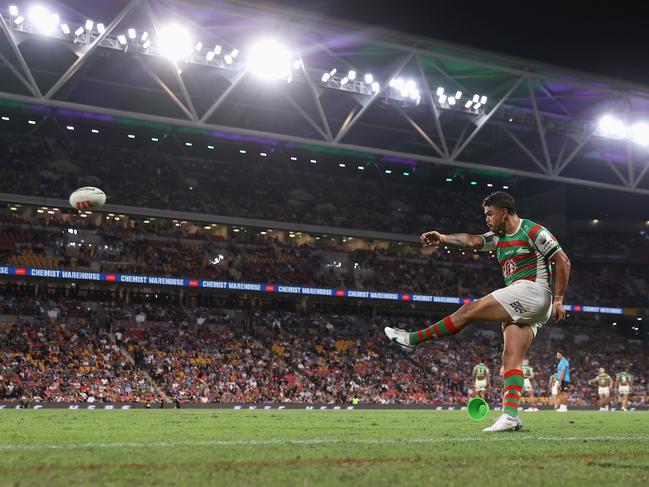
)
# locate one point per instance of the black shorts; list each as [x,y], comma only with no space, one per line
[564,386]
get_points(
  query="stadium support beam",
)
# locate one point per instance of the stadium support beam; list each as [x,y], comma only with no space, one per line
[174,67]
[221,99]
[316,99]
[610,164]
[517,141]
[629,142]
[550,96]
[87,50]
[539,125]
[420,131]
[347,126]
[306,116]
[176,122]
[433,107]
[485,118]
[30,82]
[641,175]
[562,165]
[168,91]
[17,74]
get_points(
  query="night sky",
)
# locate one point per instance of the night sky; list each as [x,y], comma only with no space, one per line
[606,37]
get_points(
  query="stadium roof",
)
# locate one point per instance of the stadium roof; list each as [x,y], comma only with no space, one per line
[426,101]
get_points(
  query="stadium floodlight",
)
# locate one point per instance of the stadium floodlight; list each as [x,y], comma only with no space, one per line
[451,100]
[612,127]
[31,122]
[369,79]
[483,99]
[79,31]
[458,95]
[640,133]
[94,131]
[477,106]
[442,99]
[131,136]
[131,33]
[65,29]
[13,10]
[209,56]
[234,53]
[147,44]
[376,87]
[69,127]
[505,187]
[342,164]
[263,154]
[199,46]
[101,28]
[468,104]
[5,118]
[228,59]
[19,20]
[145,36]
[361,168]
[293,158]
[344,81]
[351,75]
[388,171]
[325,77]
[175,42]
[476,99]
[42,19]
[89,25]
[269,59]
[414,94]
[122,39]
[217,49]
[297,64]
[313,161]
[440,91]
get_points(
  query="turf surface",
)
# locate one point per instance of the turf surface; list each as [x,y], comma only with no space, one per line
[312,448]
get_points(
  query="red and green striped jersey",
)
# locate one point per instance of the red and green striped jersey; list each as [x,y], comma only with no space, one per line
[527,371]
[480,371]
[623,378]
[525,254]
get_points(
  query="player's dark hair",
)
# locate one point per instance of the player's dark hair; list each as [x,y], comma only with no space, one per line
[501,200]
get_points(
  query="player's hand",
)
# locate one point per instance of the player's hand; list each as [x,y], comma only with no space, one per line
[558,311]
[432,239]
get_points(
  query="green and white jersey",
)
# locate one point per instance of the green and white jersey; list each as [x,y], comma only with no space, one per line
[603,380]
[554,379]
[480,371]
[527,371]
[525,254]
[623,378]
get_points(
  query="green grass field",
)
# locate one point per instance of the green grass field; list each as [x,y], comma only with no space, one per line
[311,448]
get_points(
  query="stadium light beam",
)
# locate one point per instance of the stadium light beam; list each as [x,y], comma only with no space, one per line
[269,60]
[175,42]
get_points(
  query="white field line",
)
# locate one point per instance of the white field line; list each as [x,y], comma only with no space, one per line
[317,442]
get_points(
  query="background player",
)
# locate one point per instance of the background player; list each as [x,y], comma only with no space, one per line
[624,383]
[481,380]
[604,383]
[553,387]
[526,252]
[563,381]
[528,373]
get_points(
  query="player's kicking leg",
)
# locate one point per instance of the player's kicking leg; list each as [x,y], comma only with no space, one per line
[517,342]
[486,309]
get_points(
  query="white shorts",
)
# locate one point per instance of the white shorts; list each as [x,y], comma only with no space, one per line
[604,391]
[624,390]
[555,390]
[527,385]
[481,385]
[526,302]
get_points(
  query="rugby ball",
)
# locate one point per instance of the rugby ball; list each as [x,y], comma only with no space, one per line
[87,198]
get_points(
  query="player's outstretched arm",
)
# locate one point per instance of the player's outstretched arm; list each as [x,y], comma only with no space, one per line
[562,265]
[463,240]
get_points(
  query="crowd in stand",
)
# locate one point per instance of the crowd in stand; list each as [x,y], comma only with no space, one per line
[56,351]
[189,250]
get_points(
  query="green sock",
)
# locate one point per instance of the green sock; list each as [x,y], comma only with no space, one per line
[442,328]
[514,380]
